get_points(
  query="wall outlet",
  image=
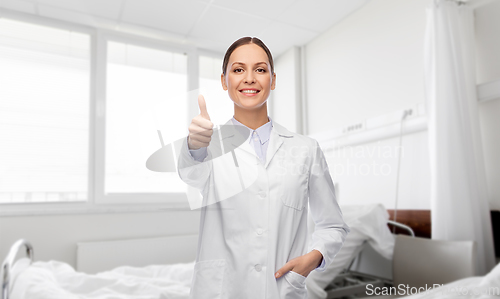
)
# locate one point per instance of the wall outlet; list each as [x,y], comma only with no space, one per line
[353,128]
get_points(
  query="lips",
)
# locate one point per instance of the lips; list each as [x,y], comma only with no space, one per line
[249,91]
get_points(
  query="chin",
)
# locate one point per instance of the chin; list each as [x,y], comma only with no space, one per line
[252,106]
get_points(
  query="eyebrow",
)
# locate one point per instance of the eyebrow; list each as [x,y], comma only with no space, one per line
[262,62]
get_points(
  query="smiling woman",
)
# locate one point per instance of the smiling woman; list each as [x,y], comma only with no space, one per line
[248,76]
[253,243]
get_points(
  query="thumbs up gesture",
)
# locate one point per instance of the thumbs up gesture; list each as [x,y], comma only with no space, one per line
[200,129]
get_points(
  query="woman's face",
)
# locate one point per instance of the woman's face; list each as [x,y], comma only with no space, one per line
[248,78]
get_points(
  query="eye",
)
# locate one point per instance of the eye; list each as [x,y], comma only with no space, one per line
[261,70]
[236,70]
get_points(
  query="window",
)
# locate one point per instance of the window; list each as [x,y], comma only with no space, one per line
[82,110]
[219,105]
[146,93]
[44,113]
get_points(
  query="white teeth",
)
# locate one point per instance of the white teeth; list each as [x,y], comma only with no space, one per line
[249,91]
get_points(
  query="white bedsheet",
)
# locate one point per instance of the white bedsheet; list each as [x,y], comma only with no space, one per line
[368,223]
[479,287]
[57,280]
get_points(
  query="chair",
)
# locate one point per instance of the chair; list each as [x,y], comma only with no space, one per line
[419,262]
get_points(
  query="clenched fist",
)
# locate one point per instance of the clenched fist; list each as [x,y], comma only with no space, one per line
[200,129]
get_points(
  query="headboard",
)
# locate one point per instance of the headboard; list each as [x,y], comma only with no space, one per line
[418,220]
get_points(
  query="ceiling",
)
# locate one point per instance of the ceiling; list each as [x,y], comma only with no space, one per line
[208,24]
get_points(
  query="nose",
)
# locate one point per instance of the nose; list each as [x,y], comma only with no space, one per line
[250,77]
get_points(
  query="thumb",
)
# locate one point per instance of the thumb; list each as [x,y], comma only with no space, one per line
[203,107]
[287,267]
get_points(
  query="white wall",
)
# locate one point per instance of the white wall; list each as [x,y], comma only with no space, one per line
[367,173]
[488,42]
[371,64]
[284,97]
[54,237]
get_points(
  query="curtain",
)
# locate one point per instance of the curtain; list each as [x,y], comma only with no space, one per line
[459,203]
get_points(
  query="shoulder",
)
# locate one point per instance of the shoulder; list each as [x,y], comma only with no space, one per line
[295,138]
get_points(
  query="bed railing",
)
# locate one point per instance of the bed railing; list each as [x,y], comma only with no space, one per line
[402,226]
[9,261]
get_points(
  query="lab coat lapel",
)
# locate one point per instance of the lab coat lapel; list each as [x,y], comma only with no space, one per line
[278,134]
[232,138]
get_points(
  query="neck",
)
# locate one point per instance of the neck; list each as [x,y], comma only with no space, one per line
[251,118]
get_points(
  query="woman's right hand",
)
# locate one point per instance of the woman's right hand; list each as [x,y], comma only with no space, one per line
[200,129]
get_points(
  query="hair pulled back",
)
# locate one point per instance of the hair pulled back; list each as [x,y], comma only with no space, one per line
[245,41]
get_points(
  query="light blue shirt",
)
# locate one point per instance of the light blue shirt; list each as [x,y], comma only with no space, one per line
[259,139]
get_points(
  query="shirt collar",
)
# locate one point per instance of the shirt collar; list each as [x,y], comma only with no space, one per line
[263,131]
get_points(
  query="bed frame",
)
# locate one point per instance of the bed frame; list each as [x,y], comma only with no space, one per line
[9,262]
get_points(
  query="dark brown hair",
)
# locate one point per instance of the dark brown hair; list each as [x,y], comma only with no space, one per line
[244,41]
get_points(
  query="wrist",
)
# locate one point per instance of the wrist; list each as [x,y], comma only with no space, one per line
[317,256]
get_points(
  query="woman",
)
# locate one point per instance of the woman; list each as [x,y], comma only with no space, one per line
[253,240]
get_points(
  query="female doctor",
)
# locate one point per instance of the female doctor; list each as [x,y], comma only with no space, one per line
[253,240]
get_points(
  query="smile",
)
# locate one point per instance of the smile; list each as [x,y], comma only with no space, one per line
[249,92]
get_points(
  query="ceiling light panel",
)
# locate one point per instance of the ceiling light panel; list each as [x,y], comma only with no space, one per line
[107,9]
[173,16]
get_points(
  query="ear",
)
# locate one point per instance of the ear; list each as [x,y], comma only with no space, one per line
[273,84]
[223,82]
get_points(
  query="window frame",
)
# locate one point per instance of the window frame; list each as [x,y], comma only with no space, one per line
[97,201]
[103,37]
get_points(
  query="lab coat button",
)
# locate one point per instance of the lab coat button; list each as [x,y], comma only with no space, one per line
[260,231]
[258,268]
[262,194]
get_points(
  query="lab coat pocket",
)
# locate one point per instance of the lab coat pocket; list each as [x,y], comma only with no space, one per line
[295,286]
[208,279]
[294,185]
[296,280]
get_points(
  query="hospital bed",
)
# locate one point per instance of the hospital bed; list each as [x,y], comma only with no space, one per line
[150,272]
[350,283]
[100,271]
[28,279]
[443,269]
[369,228]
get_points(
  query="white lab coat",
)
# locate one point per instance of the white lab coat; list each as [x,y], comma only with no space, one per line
[248,233]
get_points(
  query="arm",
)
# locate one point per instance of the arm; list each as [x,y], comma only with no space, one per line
[330,229]
[198,154]
[321,265]
[194,172]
